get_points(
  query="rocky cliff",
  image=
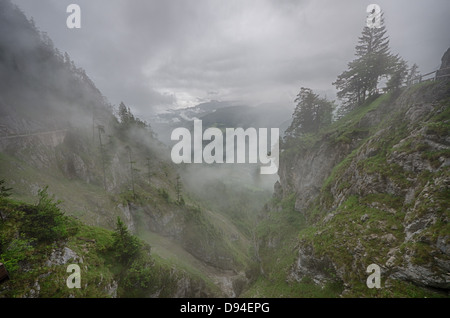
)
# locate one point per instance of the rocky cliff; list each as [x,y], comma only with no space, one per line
[374,189]
[58,130]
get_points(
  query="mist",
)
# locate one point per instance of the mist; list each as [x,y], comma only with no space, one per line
[155,55]
[88,113]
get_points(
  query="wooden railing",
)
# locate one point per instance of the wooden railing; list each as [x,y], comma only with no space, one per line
[421,79]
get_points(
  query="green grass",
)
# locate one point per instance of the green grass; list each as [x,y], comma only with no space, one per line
[32,267]
[306,288]
[363,229]
[278,251]
[25,257]
[338,238]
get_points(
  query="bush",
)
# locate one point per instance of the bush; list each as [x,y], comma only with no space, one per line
[163,193]
[4,191]
[16,251]
[141,275]
[126,246]
[45,221]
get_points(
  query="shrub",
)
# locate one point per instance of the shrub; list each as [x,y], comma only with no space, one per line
[163,193]
[45,221]
[125,245]
[4,191]
[16,251]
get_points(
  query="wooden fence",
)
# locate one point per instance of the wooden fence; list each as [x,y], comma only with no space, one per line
[422,78]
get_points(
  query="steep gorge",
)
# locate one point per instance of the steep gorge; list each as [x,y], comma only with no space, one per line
[371,189]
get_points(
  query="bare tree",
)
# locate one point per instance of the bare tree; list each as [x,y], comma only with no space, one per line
[101,130]
[131,170]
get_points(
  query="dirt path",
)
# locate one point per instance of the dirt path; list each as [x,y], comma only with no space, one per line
[34,134]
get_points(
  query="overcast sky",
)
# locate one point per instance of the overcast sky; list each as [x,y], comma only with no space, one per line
[159,54]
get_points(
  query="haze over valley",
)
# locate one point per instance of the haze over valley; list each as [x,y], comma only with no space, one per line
[87,170]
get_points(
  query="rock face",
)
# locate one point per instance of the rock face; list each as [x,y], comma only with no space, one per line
[444,70]
[62,256]
[191,230]
[381,182]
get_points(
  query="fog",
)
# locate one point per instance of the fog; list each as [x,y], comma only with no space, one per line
[159,55]
[156,55]
[233,65]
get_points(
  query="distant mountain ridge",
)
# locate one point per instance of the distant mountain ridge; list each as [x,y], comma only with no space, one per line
[222,114]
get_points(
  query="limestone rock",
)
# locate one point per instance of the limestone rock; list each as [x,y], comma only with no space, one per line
[62,256]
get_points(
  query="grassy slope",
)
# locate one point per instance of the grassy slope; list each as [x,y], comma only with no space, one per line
[89,203]
[92,205]
[26,257]
[278,233]
[330,239]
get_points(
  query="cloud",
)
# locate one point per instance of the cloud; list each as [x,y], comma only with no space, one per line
[160,54]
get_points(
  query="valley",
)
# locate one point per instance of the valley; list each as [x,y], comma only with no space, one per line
[90,183]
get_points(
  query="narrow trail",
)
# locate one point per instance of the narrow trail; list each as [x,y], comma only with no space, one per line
[33,134]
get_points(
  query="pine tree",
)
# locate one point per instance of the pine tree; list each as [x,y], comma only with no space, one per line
[125,245]
[373,61]
[127,119]
[398,74]
[101,130]
[131,170]
[124,115]
[311,113]
[180,199]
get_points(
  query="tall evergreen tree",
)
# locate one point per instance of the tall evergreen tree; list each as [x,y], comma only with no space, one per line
[127,119]
[125,245]
[398,74]
[101,130]
[180,199]
[124,114]
[373,61]
[128,149]
[311,113]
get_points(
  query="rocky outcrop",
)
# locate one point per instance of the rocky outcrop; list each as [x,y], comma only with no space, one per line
[190,228]
[381,184]
[62,256]
[444,70]
[318,268]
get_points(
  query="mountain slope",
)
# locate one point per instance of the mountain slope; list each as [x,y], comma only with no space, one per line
[371,189]
[57,130]
[37,260]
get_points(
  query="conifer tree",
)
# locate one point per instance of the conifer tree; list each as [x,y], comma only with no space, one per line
[124,115]
[373,62]
[398,74]
[125,245]
[128,148]
[101,130]
[180,199]
[311,113]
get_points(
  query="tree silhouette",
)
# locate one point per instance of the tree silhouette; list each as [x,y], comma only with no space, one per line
[311,113]
[373,61]
[128,148]
[101,130]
